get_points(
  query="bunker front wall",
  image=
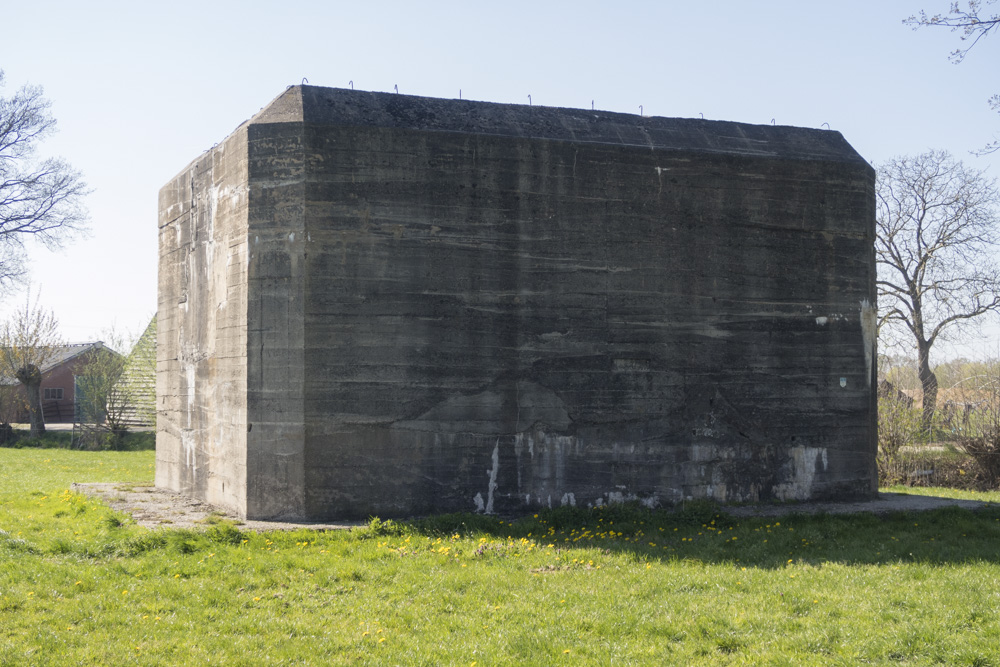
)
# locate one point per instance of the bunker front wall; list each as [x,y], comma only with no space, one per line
[498,323]
[202,333]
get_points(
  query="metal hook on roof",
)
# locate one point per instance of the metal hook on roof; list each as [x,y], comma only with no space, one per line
[529,100]
[304,81]
[827,125]
[351,82]
[591,105]
[459,93]
[772,121]
[396,87]
[702,115]
[640,110]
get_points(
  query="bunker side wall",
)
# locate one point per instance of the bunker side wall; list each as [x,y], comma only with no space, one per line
[496,324]
[201,339]
[277,281]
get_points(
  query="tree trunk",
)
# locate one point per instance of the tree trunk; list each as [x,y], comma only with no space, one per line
[929,384]
[31,378]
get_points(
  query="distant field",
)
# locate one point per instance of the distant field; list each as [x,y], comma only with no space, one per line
[80,585]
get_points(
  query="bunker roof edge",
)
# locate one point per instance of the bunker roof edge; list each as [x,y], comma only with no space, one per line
[357,108]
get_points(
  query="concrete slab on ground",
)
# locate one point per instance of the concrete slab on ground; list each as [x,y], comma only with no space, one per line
[153,507]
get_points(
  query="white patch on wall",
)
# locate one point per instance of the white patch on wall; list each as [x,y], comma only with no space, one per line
[478,500]
[803,468]
[869,330]
[493,478]
[568,499]
[822,321]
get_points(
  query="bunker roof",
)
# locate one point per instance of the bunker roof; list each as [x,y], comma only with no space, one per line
[356,108]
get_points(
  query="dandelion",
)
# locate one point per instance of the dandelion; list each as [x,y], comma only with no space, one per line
[566,651]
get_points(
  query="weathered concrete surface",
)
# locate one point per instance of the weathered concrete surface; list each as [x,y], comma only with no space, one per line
[201,377]
[382,304]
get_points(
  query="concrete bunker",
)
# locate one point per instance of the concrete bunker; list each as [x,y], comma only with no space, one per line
[379,304]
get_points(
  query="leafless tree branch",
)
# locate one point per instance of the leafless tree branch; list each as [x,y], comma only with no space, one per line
[40,199]
[937,226]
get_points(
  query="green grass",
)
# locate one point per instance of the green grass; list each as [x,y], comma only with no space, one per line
[81,585]
[944,492]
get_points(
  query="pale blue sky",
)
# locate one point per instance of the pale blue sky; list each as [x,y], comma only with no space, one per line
[141,89]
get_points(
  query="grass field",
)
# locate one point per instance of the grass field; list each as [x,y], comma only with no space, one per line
[80,585]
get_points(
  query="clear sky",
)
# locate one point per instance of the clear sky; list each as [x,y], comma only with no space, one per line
[140,89]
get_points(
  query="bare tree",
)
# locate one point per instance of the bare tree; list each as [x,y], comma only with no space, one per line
[974,26]
[27,341]
[937,230]
[40,199]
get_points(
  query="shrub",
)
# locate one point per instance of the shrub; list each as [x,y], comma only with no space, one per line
[898,427]
[981,438]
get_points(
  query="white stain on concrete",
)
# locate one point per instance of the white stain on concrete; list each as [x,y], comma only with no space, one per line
[493,478]
[822,321]
[568,499]
[803,463]
[869,328]
[478,500]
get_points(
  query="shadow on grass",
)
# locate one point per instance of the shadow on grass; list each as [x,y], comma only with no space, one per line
[704,532]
